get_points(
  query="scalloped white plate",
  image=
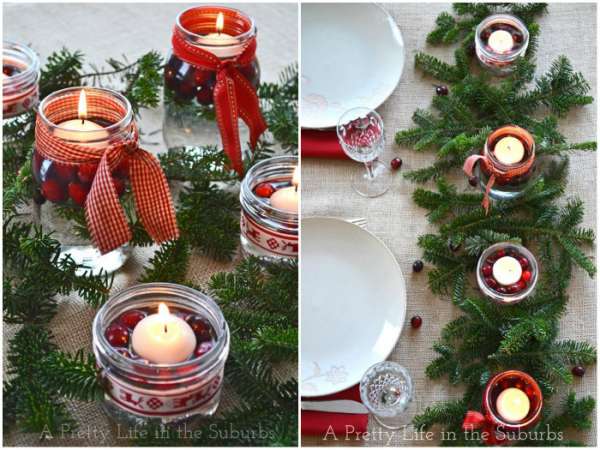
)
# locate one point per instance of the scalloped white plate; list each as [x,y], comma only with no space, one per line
[353,305]
[352,55]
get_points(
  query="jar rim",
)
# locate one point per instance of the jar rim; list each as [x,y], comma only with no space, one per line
[506,167]
[510,55]
[33,68]
[114,127]
[201,38]
[211,358]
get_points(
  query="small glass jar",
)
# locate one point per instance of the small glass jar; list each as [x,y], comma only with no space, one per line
[500,39]
[68,185]
[189,112]
[138,392]
[510,179]
[268,232]
[512,379]
[20,79]
[507,273]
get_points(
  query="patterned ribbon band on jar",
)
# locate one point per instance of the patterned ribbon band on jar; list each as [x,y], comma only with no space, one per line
[498,172]
[105,216]
[271,241]
[234,96]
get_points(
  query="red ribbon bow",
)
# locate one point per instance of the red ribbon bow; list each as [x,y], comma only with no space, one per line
[105,217]
[233,94]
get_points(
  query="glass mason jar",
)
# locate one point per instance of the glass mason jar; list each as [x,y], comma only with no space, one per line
[138,392]
[511,180]
[500,39]
[268,232]
[507,273]
[64,187]
[189,112]
[20,79]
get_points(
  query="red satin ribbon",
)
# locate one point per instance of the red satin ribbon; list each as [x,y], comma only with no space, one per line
[233,95]
[105,217]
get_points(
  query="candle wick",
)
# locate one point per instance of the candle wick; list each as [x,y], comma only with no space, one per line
[165,328]
[296,188]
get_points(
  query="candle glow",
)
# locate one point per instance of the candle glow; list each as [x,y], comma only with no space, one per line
[507,270]
[509,150]
[513,405]
[501,41]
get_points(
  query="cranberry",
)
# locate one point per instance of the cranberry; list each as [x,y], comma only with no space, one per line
[396,163]
[78,193]
[491,282]
[524,262]
[204,96]
[131,318]
[417,266]
[87,172]
[204,77]
[203,348]
[264,190]
[441,90]
[500,254]
[53,191]
[485,34]
[416,322]
[117,335]
[473,181]
[517,37]
[522,285]
[486,270]
[502,290]
[578,371]
[63,172]
[513,288]
[526,276]
[201,328]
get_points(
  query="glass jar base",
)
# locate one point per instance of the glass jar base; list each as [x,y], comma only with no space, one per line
[498,192]
[94,262]
[265,257]
[378,185]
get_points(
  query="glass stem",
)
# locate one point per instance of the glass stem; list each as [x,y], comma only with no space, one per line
[369,167]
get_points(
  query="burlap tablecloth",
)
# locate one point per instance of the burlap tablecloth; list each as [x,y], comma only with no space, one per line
[568,29]
[111,30]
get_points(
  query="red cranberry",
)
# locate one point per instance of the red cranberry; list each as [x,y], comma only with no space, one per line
[204,94]
[517,37]
[473,181]
[491,282]
[417,266]
[522,285]
[78,193]
[264,190]
[117,335]
[87,172]
[416,322]
[53,191]
[63,172]
[578,371]
[203,77]
[396,163]
[502,290]
[526,276]
[131,318]
[524,262]
[203,348]
[512,289]
[441,90]
[201,328]
[487,270]
[500,254]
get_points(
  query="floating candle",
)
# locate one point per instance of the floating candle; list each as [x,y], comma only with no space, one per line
[285,199]
[509,150]
[501,41]
[513,405]
[80,129]
[507,270]
[222,38]
[163,338]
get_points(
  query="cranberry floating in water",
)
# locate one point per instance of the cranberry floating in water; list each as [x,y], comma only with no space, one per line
[487,270]
[78,193]
[53,191]
[131,318]
[86,172]
[203,348]
[524,262]
[201,328]
[526,276]
[117,335]
[264,190]
[63,172]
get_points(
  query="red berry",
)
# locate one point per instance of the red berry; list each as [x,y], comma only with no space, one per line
[512,289]
[526,276]
[78,193]
[491,282]
[201,328]
[131,318]
[502,290]
[473,181]
[416,322]
[53,191]
[202,77]
[578,371]
[117,335]
[524,262]
[441,90]
[87,172]
[522,285]
[264,190]
[119,185]
[203,348]
[486,270]
[122,170]
[500,254]
[396,163]
[417,266]
[63,172]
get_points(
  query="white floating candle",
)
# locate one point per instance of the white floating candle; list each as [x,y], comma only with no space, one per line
[163,338]
[501,41]
[513,405]
[507,270]
[509,150]
[285,199]
[81,130]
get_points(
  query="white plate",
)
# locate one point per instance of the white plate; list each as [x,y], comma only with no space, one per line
[353,304]
[352,55]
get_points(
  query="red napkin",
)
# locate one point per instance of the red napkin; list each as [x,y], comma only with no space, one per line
[321,144]
[318,423]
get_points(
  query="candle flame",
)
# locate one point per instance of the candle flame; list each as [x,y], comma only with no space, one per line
[163,312]
[82,109]
[220,22]
[296,177]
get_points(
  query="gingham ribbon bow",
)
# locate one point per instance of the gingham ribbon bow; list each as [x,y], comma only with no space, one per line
[104,214]
[233,94]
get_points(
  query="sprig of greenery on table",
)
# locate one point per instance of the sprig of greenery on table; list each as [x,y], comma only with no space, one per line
[259,305]
[488,338]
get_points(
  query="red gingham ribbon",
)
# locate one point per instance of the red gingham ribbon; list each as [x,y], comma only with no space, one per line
[233,94]
[105,217]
